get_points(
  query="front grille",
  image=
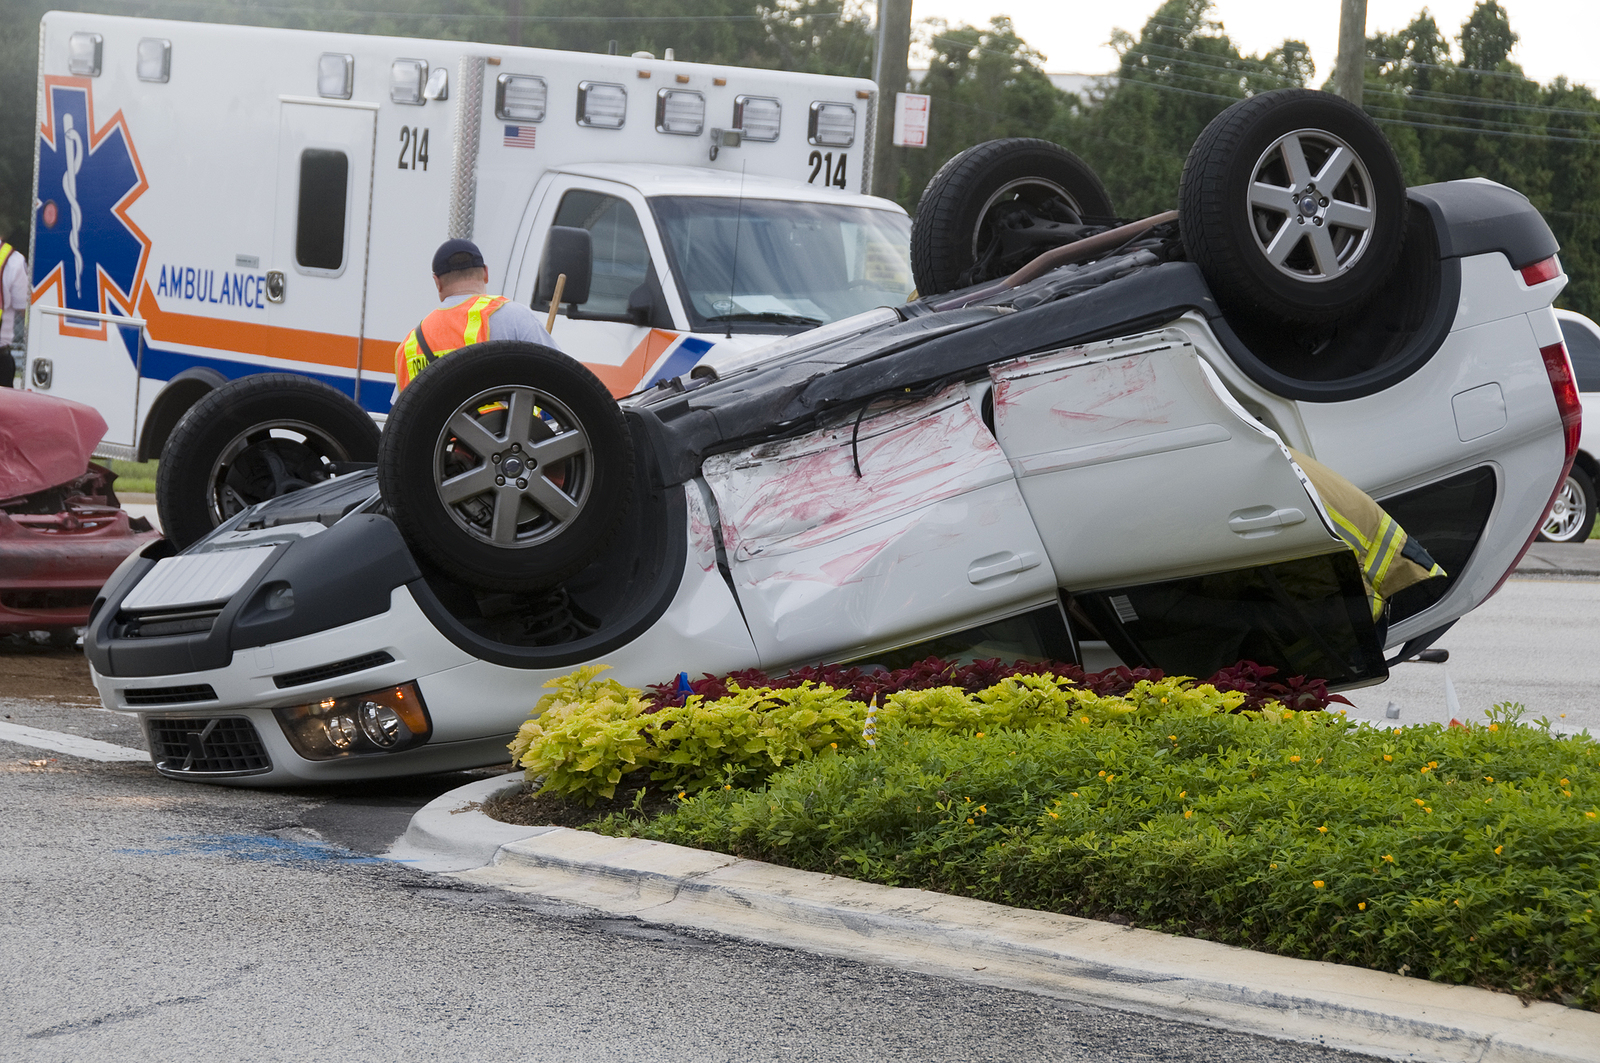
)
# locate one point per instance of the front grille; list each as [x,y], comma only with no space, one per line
[52,599]
[330,671]
[154,625]
[224,745]
[168,695]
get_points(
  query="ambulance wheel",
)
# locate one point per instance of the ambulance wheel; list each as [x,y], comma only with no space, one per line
[508,465]
[1293,206]
[958,239]
[252,439]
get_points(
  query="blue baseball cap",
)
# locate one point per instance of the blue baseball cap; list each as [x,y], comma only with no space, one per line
[456,254]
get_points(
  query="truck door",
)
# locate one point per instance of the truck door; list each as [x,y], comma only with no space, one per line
[625,327]
[316,280]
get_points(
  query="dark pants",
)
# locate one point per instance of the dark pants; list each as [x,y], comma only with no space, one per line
[8,367]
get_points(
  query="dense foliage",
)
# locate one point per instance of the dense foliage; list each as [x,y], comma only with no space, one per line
[1465,855]
[1453,109]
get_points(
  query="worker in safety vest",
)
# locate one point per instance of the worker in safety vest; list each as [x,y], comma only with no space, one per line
[469,314]
[1390,559]
[13,306]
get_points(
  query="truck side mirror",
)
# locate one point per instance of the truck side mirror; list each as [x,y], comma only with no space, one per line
[568,250]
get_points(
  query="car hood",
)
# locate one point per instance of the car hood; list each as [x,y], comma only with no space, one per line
[44,441]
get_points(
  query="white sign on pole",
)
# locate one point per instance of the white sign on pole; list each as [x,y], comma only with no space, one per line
[911,120]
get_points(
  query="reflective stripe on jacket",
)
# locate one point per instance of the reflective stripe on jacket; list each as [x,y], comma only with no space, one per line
[6,251]
[447,329]
[1390,560]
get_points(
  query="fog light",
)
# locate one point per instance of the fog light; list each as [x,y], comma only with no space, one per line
[379,721]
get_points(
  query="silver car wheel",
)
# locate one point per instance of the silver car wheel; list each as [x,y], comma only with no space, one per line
[1311,205]
[1567,514]
[513,466]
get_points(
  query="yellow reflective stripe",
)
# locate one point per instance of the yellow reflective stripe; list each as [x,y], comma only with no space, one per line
[1390,539]
[1347,530]
[475,322]
[416,362]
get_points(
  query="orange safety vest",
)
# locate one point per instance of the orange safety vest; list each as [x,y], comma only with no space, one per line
[443,331]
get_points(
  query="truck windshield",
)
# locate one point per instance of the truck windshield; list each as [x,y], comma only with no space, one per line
[767,265]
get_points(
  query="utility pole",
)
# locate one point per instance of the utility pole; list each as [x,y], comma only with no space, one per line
[889,71]
[1350,72]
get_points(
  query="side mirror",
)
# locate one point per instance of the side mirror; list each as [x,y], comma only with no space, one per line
[567,250]
[641,304]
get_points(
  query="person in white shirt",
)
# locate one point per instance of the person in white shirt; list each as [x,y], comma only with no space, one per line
[14,293]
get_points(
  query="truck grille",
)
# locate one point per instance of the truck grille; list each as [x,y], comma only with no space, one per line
[169,695]
[330,671]
[155,625]
[224,745]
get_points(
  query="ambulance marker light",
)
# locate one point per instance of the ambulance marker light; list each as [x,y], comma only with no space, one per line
[406,78]
[833,125]
[719,81]
[519,98]
[155,59]
[757,117]
[83,54]
[602,105]
[335,75]
[680,112]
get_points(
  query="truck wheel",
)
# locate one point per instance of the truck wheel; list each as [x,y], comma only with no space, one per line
[1572,516]
[1293,206]
[508,465]
[252,439]
[959,235]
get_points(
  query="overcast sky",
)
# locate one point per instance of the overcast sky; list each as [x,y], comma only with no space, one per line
[1556,36]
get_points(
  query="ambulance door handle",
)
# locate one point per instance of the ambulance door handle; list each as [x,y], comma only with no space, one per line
[275,285]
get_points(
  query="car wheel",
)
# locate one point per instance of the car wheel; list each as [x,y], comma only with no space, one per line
[1292,204]
[252,439]
[960,235]
[1572,516]
[508,465]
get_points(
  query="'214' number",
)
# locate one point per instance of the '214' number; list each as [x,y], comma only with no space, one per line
[822,165]
[417,145]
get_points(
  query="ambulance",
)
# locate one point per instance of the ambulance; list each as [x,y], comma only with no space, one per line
[213,202]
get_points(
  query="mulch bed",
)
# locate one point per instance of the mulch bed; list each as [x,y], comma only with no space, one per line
[531,809]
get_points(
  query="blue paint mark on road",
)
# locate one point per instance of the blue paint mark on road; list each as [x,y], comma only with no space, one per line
[257,848]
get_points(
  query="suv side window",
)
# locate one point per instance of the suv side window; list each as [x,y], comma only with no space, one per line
[621,257]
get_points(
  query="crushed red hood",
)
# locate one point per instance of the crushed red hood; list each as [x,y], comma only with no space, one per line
[44,441]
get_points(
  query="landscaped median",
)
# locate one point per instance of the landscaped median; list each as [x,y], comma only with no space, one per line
[1463,854]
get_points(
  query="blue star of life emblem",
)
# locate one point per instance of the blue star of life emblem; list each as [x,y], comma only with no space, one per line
[84,241]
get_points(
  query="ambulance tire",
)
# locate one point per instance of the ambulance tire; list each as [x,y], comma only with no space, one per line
[1276,250]
[508,465]
[252,439]
[999,183]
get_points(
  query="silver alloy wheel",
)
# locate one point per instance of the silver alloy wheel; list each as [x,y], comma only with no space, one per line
[513,466]
[273,443]
[1311,205]
[1566,514]
[1024,188]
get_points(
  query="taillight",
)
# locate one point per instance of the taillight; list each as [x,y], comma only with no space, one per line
[1570,407]
[1566,389]
[1539,272]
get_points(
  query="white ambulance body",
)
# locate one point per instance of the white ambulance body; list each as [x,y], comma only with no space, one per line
[252,200]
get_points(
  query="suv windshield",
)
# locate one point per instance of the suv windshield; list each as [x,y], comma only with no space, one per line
[766,265]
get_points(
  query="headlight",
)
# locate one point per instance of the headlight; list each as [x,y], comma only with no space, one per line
[380,721]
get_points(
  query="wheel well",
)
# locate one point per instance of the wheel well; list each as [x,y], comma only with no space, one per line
[181,392]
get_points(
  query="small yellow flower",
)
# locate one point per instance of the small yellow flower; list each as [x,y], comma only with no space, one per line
[1589,815]
[1318,883]
[1388,859]
[1189,812]
[1566,793]
[1074,793]
[1319,760]
[1173,737]
[1488,778]
[1273,866]
[1433,763]
[1054,816]
[1494,727]
[1183,793]
[1322,830]
[1424,769]
[1102,775]
[1418,800]
[983,810]
[1361,906]
[1085,719]
[1295,759]
[1458,904]
[1497,849]
[835,745]
[1397,730]
[969,819]
[1287,715]
[978,735]
[681,796]
[1565,783]
[1387,756]
[1428,810]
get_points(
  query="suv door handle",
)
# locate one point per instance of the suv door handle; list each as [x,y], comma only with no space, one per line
[1004,563]
[1259,519]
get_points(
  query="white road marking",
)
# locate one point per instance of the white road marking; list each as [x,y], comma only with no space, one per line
[88,748]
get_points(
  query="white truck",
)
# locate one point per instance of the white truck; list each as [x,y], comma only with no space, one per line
[215,201]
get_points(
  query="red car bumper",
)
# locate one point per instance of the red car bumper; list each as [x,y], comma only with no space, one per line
[53,565]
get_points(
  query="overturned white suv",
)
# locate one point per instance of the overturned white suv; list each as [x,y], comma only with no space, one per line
[1080,430]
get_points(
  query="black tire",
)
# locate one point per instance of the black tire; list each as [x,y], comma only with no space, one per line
[955,237]
[253,439]
[1345,239]
[1572,516]
[563,516]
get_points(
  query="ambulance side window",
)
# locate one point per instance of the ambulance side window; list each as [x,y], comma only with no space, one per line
[319,225]
[621,257]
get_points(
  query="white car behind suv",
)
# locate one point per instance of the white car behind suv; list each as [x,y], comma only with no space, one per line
[1572,516]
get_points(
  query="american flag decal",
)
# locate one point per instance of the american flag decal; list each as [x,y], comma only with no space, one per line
[520,136]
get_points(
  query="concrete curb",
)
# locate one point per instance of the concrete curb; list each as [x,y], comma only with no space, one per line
[1079,959]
